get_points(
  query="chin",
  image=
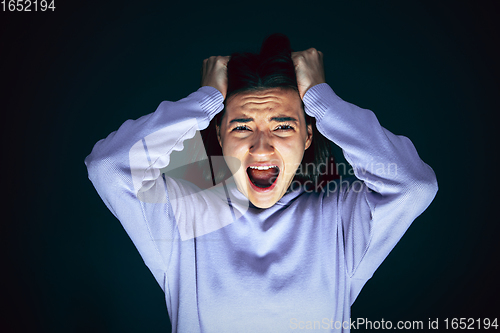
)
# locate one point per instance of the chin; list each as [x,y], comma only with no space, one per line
[260,199]
[263,204]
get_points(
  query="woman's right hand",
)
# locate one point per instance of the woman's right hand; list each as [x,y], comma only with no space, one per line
[214,73]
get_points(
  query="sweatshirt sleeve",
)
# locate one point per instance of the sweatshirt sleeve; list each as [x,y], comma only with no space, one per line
[125,168]
[393,186]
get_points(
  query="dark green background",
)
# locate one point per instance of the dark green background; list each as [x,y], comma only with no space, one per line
[70,77]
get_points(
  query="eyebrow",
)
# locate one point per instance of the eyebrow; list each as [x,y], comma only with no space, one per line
[282,119]
[276,119]
[241,120]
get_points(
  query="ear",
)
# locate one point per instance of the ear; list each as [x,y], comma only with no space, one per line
[217,129]
[309,137]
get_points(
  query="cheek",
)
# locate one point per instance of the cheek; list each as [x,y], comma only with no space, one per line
[292,153]
[294,147]
[234,154]
[231,147]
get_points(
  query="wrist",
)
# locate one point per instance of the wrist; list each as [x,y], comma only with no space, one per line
[215,87]
[318,99]
[212,101]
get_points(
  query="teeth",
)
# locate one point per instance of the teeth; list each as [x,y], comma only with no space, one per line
[267,167]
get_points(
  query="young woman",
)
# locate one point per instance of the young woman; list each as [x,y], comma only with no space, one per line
[271,248]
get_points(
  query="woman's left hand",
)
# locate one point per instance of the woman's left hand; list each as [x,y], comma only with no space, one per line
[308,69]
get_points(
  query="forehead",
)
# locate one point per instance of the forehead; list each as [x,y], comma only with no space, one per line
[275,99]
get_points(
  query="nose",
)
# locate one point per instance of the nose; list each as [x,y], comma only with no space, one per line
[262,145]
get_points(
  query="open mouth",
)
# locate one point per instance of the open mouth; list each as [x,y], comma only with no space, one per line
[263,177]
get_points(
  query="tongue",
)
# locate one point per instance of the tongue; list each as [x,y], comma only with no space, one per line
[263,178]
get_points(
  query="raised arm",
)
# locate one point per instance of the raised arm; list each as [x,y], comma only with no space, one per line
[395,185]
[152,138]
[128,163]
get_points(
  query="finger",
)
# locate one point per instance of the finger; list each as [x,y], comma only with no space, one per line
[226,59]
[299,58]
[222,60]
[211,60]
[298,54]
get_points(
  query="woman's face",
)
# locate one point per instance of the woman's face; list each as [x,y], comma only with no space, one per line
[267,135]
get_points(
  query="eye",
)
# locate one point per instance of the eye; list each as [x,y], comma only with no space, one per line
[284,127]
[240,128]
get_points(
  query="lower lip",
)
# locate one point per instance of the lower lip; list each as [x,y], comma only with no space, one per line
[261,189]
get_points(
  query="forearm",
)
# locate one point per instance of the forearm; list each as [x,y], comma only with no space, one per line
[397,186]
[131,158]
[142,147]
[387,163]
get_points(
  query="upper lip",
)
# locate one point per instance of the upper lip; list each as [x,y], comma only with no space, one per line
[262,166]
